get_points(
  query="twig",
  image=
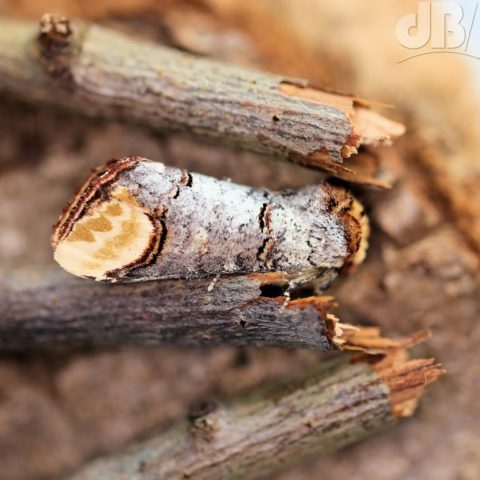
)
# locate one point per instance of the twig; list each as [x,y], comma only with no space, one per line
[99,72]
[343,401]
[45,307]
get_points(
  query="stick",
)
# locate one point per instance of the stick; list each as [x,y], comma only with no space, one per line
[96,71]
[134,219]
[342,402]
[45,308]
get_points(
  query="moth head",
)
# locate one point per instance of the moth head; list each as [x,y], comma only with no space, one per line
[344,206]
[359,234]
[104,236]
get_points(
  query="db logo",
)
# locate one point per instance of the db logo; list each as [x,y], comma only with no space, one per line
[439,26]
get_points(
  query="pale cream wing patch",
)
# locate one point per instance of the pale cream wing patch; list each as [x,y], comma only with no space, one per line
[113,234]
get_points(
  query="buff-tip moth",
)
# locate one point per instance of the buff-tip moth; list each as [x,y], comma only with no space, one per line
[134,219]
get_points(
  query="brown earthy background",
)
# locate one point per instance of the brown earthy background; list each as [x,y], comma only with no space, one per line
[59,409]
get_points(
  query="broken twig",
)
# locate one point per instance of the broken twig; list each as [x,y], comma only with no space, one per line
[342,402]
[45,308]
[97,71]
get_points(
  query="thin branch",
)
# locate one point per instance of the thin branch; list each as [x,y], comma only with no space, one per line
[97,71]
[342,402]
[46,307]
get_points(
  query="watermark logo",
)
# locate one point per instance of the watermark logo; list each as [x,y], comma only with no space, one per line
[439,26]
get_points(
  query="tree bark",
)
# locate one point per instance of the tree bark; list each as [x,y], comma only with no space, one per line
[342,402]
[99,72]
[44,308]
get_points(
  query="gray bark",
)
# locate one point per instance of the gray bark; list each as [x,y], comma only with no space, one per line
[338,404]
[46,308]
[99,72]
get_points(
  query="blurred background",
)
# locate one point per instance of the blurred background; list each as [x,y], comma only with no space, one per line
[60,409]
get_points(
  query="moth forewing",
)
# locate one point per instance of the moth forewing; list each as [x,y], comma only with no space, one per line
[134,219]
[115,233]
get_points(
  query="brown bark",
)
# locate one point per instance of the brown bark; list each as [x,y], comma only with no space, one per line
[99,72]
[345,400]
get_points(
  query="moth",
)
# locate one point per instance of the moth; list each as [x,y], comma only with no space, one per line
[134,219]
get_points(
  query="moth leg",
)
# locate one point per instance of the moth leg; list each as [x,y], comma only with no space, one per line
[297,280]
[213,282]
[286,301]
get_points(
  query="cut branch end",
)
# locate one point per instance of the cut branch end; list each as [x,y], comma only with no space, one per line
[406,380]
